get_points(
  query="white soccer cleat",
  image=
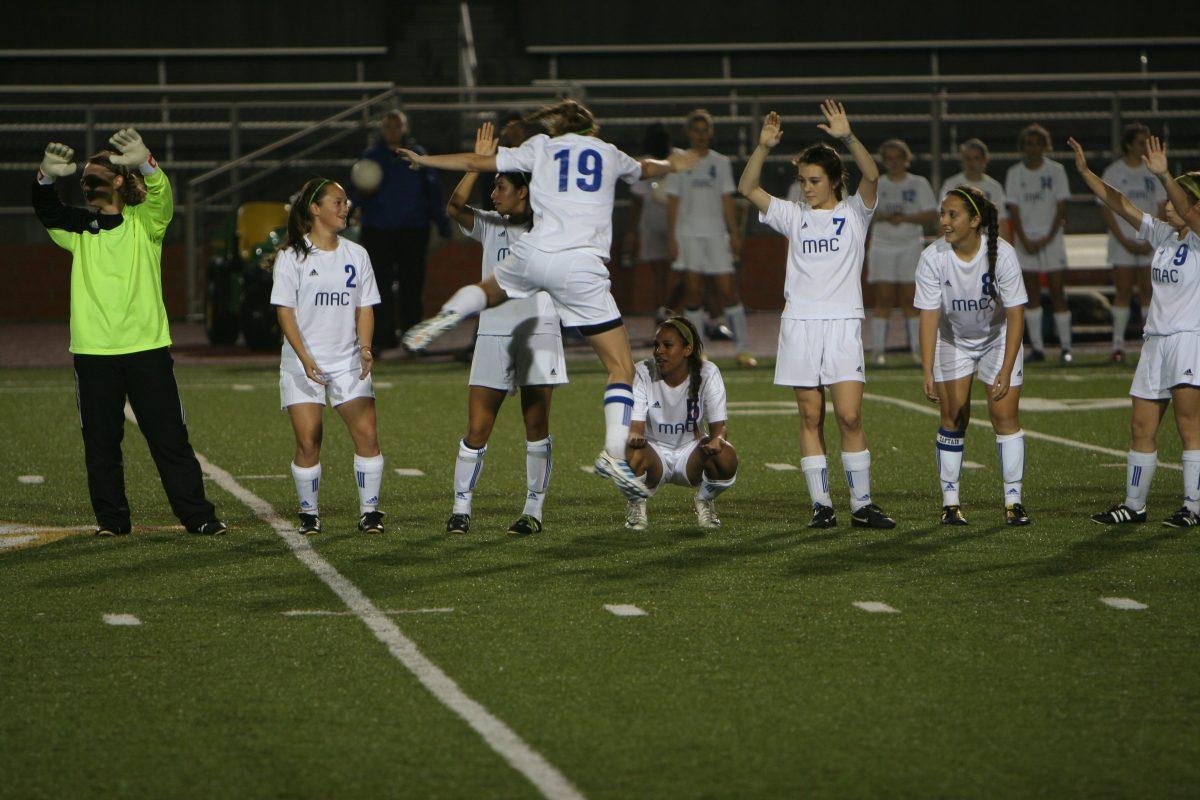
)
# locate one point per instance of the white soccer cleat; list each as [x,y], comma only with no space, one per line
[880,360]
[706,513]
[636,518]
[423,334]
[617,470]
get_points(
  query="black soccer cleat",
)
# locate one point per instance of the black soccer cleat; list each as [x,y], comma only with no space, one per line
[1035,355]
[458,523]
[213,527]
[823,517]
[1120,514]
[527,524]
[871,516]
[109,531]
[1016,515]
[952,515]
[309,524]
[371,522]
[1183,518]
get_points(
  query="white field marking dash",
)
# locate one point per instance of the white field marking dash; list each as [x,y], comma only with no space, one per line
[382,384]
[121,619]
[409,472]
[1123,603]
[972,465]
[16,541]
[32,480]
[498,736]
[875,607]
[262,477]
[242,387]
[1045,437]
[781,467]
[624,610]
[588,468]
[391,612]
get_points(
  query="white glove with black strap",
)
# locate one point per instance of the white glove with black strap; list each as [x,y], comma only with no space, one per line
[133,151]
[56,163]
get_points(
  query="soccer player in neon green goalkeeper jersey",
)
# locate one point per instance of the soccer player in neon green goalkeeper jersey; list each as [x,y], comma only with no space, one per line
[119,331]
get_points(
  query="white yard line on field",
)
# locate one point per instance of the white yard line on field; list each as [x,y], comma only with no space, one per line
[391,612]
[1124,603]
[624,610]
[121,619]
[874,607]
[498,736]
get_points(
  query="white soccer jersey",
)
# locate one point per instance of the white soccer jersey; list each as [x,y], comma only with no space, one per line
[1036,193]
[1175,270]
[701,192]
[326,288]
[1138,184]
[574,178]
[910,195]
[671,418]
[971,319]
[825,257]
[533,314]
[990,187]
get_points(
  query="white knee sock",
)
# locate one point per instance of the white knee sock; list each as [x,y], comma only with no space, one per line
[879,326]
[467,468]
[1033,324]
[696,317]
[816,475]
[736,317]
[709,488]
[949,454]
[858,475]
[913,324]
[1010,449]
[538,463]
[1191,480]
[1062,325]
[468,300]
[1139,471]
[308,486]
[368,473]
[618,406]
[1120,315]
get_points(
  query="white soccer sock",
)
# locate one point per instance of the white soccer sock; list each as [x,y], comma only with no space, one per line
[696,317]
[736,317]
[618,407]
[1139,471]
[913,324]
[1033,324]
[468,300]
[949,454]
[538,463]
[467,468]
[1010,449]
[857,467]
[1191,480]
[1062,325]
[709,488]
[308,486]
[879,326]
[816,475]
[368,474]
[1120,315]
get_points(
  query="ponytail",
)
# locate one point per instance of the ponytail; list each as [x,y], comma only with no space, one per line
[978,206]
[300,220]
[568,116]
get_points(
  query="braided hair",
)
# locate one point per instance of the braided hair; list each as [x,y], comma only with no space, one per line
[691,338]
[979,207]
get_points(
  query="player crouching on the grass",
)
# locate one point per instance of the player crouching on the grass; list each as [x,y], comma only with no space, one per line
[323,293]
[1169,364]
[972,303]
[672,393]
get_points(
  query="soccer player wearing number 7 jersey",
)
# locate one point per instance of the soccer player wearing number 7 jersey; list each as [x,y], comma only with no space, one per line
[574,177]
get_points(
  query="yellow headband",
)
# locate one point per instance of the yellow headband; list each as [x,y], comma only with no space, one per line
[685,333]
[961,192]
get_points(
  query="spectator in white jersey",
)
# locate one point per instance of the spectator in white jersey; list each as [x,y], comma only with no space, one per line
[519,347]
[906,206]
[1168,369]
[673,394]
[646,239]
[973,156]
[972,300]
[324,290]
[703,233]
[1037,192]
[820,335]
[1129,256]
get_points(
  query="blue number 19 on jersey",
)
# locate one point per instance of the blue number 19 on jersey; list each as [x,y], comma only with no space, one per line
[590,169]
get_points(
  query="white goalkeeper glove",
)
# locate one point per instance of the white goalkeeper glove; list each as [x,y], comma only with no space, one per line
[134,152]
[56,161]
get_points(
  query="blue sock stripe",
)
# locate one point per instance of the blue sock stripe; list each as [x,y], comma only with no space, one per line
[627,415]
[950,440]
[850,478]
[1137,475]
[824,480]
[475,474]
[316,483]
[1000,457]
[618,399]
[618,387]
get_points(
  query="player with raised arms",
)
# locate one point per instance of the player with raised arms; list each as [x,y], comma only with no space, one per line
[673,392]
[519,346]
[1168,367]
[323,295]
[973,157]
[571,192]
[972,305]
[820,335]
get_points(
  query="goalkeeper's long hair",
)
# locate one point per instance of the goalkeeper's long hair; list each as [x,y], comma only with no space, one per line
[132,189]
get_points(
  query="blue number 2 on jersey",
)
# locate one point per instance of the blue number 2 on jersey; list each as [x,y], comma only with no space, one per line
[590,168]
[350,284]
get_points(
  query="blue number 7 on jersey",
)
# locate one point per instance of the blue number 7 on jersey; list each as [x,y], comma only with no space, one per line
[841,223]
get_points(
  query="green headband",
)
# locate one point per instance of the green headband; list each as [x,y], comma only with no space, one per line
[582,131]
[961,192]
[685,332]
[313,196]
[1190,184]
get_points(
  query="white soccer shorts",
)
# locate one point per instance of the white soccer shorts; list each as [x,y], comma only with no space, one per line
[951,362]
[888,263]
[508,362]
[295,387]
[819,352]
[706,255]
[674,463]
[1166,362]
[1051,258]
[577,281]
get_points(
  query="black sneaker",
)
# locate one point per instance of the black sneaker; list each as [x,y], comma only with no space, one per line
[1035,355]
[1120,514]
[526,525]
[952,515]
[871,516]
[309,524]
[1016,515]
[213,527]
[823,517]
[371,522]
[1183,518]
[108,531]
[458,523]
